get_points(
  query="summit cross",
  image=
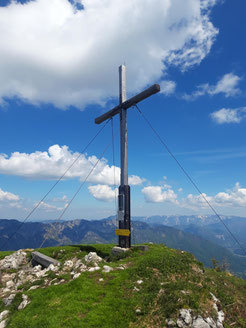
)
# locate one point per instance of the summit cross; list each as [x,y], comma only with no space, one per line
[124,203]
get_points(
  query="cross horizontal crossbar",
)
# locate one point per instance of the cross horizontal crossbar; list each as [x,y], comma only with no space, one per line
[129,103]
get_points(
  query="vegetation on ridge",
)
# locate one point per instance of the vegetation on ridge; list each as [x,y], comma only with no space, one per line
[171,280]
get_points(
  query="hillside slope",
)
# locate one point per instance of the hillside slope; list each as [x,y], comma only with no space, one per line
[160,287]
[103,231]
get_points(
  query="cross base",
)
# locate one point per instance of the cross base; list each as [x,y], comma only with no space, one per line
[125,241]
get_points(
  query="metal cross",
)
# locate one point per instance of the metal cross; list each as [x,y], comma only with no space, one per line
[124,213]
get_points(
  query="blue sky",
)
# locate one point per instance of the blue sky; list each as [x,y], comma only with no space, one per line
[59,70]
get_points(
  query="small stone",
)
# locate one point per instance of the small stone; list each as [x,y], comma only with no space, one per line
[95,269]
[170,323]
[10,284]
[82,267]
[107,268]
[24,303]
[135,289]
[68,264]
[3,323]
[78,264]
[76,275]
[139,282]
[53,268]
[138,311]
[33,287]
[185,292]
[37,268]
[8,300]
[101,279]
[3,314]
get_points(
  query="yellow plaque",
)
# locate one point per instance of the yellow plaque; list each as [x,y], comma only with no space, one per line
[122,232]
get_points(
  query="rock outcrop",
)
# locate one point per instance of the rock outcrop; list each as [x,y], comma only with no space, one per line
[187,319]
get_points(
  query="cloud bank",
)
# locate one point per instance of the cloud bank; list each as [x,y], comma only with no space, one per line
[53,163]
[51,52]
[235,197]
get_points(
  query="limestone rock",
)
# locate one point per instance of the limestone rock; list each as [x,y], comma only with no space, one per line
[10,284]
[170,323]
[92,257]
[76,275]
[3,323]
[199,322]
[211,322]
[13,261]
[107,268]
[24,303]
[33,287]
[96,268]
[68,264]
[53,268]
[8,300]
[185,315]
[4,314]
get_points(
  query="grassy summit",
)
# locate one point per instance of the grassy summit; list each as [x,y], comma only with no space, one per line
[144,290]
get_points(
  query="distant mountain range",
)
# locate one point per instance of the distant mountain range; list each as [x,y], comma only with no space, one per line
[200,236]
[207,227]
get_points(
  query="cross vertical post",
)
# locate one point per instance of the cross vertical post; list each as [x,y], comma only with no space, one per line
[124,189]
[124,206]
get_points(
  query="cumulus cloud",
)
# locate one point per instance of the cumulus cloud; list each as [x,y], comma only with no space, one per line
[6,196]
[227,115]
[167,87]
[227,85]
[9,200]
[49,207]
[103,192]
[159,194]
[235,197]
[53,163]
[52,52]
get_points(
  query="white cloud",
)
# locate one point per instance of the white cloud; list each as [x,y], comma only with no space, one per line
[6,196]
[167,87]
[227,115]
[103,192]
[227,85]
[158,194]
[51,52]
[53,163]
[231,198]
[48,207]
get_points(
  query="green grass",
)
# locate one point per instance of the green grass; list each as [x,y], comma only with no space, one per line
[171,280]
[5,253]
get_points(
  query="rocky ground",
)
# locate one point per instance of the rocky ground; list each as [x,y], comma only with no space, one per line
[18,276]
[17,272]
